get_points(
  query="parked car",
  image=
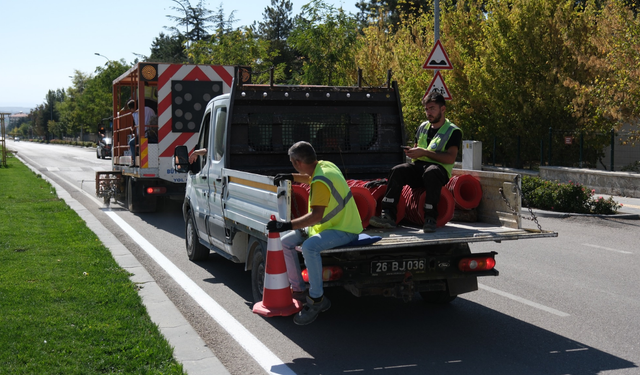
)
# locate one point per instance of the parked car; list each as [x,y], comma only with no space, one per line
[104,148]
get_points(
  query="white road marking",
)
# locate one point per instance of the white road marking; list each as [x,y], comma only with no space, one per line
[607,248]
[523,300]
[265,358]
[256,349]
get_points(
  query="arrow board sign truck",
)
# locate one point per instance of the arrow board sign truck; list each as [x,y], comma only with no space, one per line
[438,59]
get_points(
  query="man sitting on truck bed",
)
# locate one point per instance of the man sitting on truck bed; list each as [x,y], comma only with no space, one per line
[333,221]
[434,152]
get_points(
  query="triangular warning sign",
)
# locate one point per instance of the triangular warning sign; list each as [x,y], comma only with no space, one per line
[438,58]
[437,84]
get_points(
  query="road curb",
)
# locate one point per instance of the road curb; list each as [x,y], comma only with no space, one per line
[625,216]
[188,347]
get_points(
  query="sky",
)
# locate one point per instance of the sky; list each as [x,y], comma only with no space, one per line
[44,42]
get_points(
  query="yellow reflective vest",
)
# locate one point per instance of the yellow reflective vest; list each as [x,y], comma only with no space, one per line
[342,212]
[438,143]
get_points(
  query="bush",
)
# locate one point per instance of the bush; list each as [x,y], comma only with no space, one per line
[565,197]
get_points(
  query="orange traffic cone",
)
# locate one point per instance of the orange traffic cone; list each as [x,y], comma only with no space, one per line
[277,299]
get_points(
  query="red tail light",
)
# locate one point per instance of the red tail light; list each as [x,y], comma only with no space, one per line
[329,273]
[156,190]
[476,264]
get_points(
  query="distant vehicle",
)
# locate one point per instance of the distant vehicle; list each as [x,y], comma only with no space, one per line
[16,139]
[104,148]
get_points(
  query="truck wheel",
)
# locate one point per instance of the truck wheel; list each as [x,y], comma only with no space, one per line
[257,268]
[195,250]
[136,202]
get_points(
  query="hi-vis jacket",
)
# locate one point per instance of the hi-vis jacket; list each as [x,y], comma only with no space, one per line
[342,212]
[438,143]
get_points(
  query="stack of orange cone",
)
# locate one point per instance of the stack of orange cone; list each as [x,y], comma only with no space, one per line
[277,299]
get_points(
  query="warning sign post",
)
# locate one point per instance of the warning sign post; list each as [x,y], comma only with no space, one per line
[438,85]
[438,59]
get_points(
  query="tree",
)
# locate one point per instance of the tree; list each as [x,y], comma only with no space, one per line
[609,95]
[196,20]
[223,24]
[329,59]
[392,11]
[237,47]
[90,100]
[276,28]
[168,49]
[277,22]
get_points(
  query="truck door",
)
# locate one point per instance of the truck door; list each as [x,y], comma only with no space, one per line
[200,180]
[215,220]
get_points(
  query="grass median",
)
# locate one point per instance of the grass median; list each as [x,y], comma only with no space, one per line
[66,307]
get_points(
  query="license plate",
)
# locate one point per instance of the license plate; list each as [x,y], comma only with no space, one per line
[397,267]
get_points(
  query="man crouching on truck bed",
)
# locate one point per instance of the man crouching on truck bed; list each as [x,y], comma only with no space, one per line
[333,220]
[437,142]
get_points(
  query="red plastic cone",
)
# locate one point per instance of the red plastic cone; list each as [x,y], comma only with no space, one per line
[277,299]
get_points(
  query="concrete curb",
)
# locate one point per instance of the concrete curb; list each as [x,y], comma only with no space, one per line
[188,347]
[543,213]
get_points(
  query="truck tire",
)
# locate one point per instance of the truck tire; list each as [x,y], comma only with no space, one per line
[195,250]
[258,248]
[136,201]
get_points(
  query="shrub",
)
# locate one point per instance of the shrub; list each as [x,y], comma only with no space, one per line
[565,197]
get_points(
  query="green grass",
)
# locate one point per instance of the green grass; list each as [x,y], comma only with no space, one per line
[66,307]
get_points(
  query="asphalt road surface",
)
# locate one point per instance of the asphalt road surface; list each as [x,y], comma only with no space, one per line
[565,305]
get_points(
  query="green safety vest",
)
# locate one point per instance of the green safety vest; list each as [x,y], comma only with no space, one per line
[438,142]
[342,212]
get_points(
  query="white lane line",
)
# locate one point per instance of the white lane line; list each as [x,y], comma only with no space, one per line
[525,301]
[607,248]
[265,358]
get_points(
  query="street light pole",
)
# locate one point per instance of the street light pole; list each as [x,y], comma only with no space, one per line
[108,60]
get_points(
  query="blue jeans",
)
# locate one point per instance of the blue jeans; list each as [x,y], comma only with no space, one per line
[311,248]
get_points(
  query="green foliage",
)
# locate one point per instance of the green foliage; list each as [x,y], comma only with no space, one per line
[169,49]
[565,197]
[66,306]
[329,58]
[275,29]
[238,47]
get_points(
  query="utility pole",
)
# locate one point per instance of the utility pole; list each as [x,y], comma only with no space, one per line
[436,25]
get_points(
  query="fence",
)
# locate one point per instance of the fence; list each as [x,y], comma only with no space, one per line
[613,151]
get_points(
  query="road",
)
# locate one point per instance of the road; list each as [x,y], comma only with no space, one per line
[566,305]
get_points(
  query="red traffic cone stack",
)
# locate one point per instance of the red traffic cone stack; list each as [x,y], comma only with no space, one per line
[276,295]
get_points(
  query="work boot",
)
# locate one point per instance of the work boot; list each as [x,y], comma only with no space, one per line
[386,220]
[300,295]
[429,225]
[310,311]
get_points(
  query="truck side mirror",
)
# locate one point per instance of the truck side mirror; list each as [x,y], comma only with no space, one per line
[181,159]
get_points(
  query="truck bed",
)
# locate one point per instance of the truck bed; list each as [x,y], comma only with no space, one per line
[407,236]
[251,200]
